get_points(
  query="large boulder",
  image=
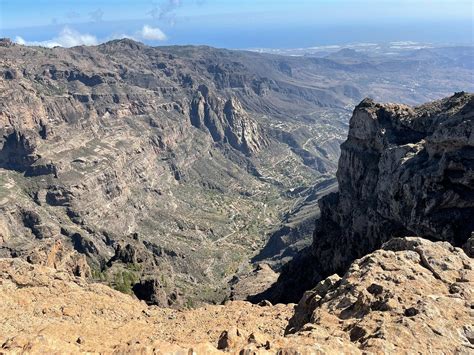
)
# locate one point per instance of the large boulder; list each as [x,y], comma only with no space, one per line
[412,295]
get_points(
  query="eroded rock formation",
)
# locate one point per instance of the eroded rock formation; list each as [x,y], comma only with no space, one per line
[403,171]
[226,121]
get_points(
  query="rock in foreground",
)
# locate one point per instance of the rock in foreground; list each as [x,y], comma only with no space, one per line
[412,295]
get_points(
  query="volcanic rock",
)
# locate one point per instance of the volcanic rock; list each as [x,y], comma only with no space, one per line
[403,171]
[399,299]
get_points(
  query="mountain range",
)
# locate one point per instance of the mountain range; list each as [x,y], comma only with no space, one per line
[178,174]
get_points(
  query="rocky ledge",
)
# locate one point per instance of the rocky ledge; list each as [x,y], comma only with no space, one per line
[412,295]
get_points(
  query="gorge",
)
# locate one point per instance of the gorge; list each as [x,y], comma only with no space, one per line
[168,195]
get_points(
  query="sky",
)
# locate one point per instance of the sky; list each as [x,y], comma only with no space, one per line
[237,23]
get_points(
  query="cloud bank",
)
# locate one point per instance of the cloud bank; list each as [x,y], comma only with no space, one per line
[152,33]
[66,38]
[69,37]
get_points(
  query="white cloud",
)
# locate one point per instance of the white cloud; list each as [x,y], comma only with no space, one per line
[66,38]
[70,38]
[152,33]
[19,40]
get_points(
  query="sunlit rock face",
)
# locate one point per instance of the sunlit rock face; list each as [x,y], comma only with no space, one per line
[403,171]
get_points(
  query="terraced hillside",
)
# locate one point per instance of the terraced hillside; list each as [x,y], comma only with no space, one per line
[168,168]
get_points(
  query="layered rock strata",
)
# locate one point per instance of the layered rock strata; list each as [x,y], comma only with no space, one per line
[403,171]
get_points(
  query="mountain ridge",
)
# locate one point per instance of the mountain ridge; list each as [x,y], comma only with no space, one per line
[111,150]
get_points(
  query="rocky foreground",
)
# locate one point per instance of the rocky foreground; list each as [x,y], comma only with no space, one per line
[412,295]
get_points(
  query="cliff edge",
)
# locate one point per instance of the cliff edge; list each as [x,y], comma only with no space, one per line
[403,171]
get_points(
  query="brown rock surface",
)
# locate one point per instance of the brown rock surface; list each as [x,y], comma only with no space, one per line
[260,279]
[411,296]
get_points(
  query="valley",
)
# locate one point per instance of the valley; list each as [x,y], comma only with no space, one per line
[166,172]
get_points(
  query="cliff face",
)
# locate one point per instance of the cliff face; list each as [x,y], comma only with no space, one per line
[226,121]
[145,160]
[402,171]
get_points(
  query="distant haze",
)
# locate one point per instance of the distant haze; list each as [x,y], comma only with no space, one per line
[236,24]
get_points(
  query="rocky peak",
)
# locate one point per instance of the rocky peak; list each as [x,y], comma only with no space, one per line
[412,166]
[242,132]
[123,43]
[226,121]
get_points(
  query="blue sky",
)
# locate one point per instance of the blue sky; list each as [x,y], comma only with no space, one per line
[237,24]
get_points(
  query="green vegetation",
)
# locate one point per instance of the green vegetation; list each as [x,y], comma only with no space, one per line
[189,303]
[134,267]
[98,274]
[124,280]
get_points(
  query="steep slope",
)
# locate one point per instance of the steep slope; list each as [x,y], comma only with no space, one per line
[147,161]
[411,296]
[403,171]
[169,167]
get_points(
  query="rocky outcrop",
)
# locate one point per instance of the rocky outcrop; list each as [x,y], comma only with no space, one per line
[154,292]
[19,150]
[19,153]
[226,121]
[260,279]
[402,171]
[53,253]
[412,295]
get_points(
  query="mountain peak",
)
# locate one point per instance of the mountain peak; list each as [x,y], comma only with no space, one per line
[124,43]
